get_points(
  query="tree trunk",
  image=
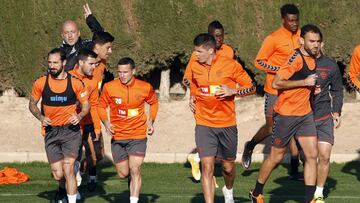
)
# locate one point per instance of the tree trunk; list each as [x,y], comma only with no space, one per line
[164,89]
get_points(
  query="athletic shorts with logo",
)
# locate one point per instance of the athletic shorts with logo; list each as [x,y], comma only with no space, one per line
[122,149]
[218,142]
[270,100]
[62,141]
[286,127]
[325,130]
[88,130]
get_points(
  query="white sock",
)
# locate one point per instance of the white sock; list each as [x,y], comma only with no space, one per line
[197,157]
[227,192]
[134,199]
[71,198]
[319,191]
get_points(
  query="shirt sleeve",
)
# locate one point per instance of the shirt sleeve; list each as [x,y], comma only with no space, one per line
[104,101]
[82,94]
[153,102]
[37,90]
[93,100]
[336,90]
[354,70]
[266,50]
[93,24]
[188,79]
[291,66]
[240,76]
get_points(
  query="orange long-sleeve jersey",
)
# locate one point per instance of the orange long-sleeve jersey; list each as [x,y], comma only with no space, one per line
[224,50]
[58,98]
[210,110]
[354,70]
[294,101]
[274,52]
[127,107]
[98,73]
[91,86]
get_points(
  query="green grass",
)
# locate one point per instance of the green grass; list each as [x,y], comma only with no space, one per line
[173,183]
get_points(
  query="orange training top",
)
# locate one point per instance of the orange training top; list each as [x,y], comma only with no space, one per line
[98,73]
[354,70]
[91,86]
[274,52]
[127,107]
[59,114]
[224,50]
[210,110]
[294,101]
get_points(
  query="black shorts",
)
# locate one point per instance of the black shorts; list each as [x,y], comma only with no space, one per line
[269,103]
[325,130]
[218,142]
[89,131]
[122,149]
[62,141]
[285,127]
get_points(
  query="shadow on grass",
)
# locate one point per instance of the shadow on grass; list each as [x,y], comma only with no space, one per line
[353,167]
[199,198]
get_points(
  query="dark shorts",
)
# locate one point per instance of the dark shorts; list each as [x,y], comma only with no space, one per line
[285,127]
[270,100]
[325,130]
[62,141]
[218,142]
[122,149]
[89,131]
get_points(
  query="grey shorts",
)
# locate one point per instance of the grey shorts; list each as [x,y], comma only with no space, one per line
[218,142]
[269,103]
[285,127]
[325,130]
[62,141]
[88,131]
[122,149]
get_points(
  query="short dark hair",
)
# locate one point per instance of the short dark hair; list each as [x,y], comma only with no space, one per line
[310,28]
[84,53]
[215,25]
[101,38]
[58,51]
[288,9]
[206,40]
[126,61]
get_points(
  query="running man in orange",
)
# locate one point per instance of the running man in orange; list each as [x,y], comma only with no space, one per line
[102,46]
[354,70]
[213,83]
[293,116]
[215,29]
[273,53]
[128,124]
[90,124]
[60,92]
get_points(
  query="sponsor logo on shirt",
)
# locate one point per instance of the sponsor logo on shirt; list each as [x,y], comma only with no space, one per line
[58,99]
[209,90]
[126,113]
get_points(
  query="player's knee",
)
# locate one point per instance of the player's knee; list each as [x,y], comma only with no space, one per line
[58,174]
[135,171]
[324,158]
[229,169]
[123,174]
[207,169]
[276,157]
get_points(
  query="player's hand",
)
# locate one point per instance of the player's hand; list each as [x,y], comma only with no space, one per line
[74,119]
[97,137]
[192,102]
[150,127]
[87,10]
[310,80]
[45,121]
[186,82]
[317,90]
[337,120]
[225,91]
[109,128]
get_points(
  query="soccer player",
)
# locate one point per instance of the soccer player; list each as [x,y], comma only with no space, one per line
[216,29]
[213,80]
[293,117]
[354,69]
[273,53]
[90,124]
[72,41]
[60,92]
[128,124]
[327,111]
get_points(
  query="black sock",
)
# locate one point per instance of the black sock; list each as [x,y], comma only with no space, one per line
[294,164]
[92,171]
[258,189]
[62,191]
[309,192]
[251,144]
